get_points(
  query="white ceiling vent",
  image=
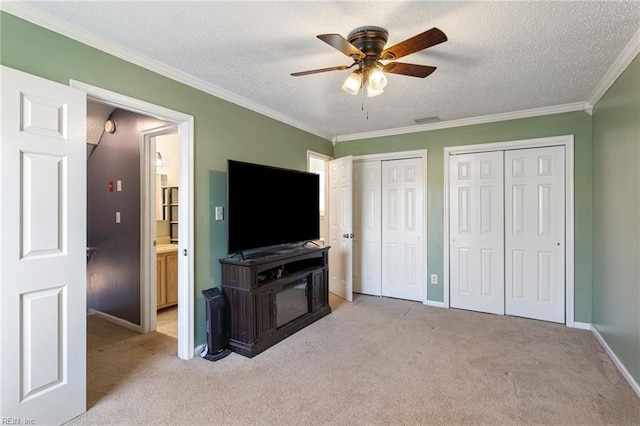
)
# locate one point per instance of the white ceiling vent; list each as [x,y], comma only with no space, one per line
[425,120]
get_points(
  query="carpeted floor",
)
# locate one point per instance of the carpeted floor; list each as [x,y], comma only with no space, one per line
[372,361]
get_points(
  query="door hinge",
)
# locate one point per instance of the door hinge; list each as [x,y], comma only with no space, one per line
[184,253]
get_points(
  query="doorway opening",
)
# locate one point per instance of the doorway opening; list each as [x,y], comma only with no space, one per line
[161,206]
[183,125]
[319,163]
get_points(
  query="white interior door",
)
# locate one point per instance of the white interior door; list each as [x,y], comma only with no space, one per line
[403,242]
[340,228]
[476,222]
[42,250]
[367,240]
[535,229]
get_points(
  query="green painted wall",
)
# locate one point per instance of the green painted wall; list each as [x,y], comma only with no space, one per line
[222,130]
[616,218]
[576,123]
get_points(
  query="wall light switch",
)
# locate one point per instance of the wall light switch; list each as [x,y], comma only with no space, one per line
[219,213]
[118,185]
[117,217]
[434,278]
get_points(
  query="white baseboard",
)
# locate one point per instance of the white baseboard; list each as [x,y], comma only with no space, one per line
[625,373]
[198,349]
[582,325]
[435,304]
[119,321]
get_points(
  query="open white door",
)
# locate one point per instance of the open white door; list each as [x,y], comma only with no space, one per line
[340,228]
[42,250]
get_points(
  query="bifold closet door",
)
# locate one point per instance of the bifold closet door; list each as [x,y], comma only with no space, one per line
[476,231]
[403,244]
[367,239]
[535,229]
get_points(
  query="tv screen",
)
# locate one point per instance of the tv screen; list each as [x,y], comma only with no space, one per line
[268,206]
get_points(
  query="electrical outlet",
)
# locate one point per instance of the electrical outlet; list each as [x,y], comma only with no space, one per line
[434,278]
[117,217]
[118,185]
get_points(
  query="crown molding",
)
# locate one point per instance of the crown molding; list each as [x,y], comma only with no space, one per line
[588,107]
[536,112]
[621,63]
[45,20]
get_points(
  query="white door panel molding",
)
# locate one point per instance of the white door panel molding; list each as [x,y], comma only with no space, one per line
[43,250]
[547,261]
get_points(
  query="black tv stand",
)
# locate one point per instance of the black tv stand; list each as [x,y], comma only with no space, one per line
[272,295]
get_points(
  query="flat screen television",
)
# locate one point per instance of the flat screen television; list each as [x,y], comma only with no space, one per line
[269,206]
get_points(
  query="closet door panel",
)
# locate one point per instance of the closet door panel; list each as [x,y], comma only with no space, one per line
[535,229]
[476,203]
[403,243]
[367,239]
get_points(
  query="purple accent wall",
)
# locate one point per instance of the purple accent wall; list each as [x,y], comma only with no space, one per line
[113,270]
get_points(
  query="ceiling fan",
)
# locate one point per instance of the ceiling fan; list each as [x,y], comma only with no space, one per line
[365,45]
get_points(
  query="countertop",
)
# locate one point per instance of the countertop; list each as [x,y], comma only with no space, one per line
[166,248]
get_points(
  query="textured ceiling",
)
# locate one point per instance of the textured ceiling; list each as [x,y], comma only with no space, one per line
[500,57]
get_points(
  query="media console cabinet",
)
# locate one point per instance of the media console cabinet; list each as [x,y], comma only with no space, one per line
[272,295]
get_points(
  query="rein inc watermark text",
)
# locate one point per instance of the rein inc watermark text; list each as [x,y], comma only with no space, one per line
[17,421]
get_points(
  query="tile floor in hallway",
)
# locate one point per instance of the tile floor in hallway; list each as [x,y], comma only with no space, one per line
[167,322]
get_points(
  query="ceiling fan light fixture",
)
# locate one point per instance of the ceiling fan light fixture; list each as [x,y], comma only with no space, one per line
[371,92]
[377,81]
[353,83]
[366,47]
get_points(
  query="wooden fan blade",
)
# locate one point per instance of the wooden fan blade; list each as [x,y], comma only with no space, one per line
[414,44]
[341,67]
[412,70]
[342,44]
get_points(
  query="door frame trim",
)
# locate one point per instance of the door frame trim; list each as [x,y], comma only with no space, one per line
[185,125]
[403,155]
[568,142]
[148,295]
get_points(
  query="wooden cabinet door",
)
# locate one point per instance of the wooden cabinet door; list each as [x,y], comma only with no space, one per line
[265,314]
[161,286]
[172,278]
